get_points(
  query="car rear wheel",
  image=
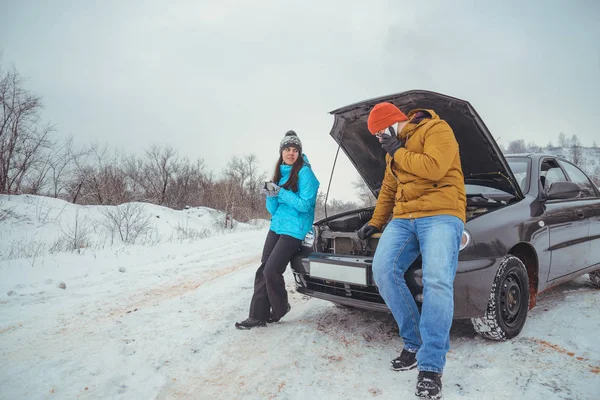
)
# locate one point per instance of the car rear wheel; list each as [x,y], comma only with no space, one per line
[595,278]
[508,302]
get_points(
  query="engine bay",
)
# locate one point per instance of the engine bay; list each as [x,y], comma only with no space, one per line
[337,234]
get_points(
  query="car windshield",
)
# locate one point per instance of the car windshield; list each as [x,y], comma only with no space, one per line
[519,168]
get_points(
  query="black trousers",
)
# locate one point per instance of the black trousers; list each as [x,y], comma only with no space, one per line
[269,285]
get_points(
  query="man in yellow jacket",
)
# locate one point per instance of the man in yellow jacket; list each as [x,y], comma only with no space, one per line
[423,189]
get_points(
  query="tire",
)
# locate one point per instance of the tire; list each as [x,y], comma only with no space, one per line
[595,278]
[508,302]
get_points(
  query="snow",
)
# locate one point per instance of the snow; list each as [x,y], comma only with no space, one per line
[155,320]
[39,225]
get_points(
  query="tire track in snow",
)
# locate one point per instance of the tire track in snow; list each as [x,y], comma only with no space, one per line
[180,287]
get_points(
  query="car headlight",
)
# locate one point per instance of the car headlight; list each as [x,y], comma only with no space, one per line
[309,239]
[465,239]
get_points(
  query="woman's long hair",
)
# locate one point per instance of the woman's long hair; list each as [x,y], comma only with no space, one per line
[292,182]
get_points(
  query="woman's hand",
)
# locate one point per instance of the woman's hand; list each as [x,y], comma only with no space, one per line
[270,189]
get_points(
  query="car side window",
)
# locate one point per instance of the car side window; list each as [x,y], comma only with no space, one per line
[552,175]
[577,176]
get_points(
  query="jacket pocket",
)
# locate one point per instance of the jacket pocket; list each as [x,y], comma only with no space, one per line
[440,197]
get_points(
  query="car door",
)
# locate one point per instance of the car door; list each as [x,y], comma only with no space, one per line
[567,225]
[590,207]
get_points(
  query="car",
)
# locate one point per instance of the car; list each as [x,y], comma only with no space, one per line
[533,222]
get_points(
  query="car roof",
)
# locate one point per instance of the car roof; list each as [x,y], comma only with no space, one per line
[535,156]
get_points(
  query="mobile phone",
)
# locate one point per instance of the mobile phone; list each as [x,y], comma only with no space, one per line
[390,131]
[269,185]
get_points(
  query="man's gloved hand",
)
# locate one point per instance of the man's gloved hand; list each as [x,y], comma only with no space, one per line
[366,231]
[390,144]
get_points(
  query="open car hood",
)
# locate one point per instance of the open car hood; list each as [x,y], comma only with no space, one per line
[482,161]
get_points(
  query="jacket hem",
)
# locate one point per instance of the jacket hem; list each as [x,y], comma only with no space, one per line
[423,214]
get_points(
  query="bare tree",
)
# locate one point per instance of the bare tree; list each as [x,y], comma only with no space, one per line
[52,170]
[253,185]
[517,146]
[227,191]
[133,167]
[160,176]
[159,170]
[595,145]
[188,186]
[334,206]
[245,176]
[62,162]
[34,182]
[595,175]
[75,185]
[562,140]
[99,178]
[320,206]
[75,235]
[210,196]
[365,196]
[533,147]
[22,136]
[576,150]
[128,222]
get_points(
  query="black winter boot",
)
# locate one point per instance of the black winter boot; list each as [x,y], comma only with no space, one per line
[271,319]
[250,323]
[429,385]
[406,361]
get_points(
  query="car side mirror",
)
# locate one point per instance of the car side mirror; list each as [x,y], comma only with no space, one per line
[563,191]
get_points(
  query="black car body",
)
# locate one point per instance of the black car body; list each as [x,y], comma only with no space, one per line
[533,222]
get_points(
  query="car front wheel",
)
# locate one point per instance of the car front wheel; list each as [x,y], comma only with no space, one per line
[508,302]
[595,278]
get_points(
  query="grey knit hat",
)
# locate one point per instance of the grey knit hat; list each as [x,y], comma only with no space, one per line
[290,140]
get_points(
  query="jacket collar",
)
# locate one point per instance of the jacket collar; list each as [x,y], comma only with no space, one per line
[417,115]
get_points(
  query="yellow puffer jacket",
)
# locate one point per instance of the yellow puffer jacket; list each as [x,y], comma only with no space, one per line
[425,177]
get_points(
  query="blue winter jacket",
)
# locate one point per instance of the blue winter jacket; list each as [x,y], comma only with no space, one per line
[293,213]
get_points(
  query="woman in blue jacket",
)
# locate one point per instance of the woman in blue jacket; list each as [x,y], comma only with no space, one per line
[291,202]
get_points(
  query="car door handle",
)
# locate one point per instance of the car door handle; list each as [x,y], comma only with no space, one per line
[580,213]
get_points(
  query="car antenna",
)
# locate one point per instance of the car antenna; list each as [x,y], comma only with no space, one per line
[333,169]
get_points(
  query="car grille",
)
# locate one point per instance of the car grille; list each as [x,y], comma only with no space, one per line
[370,293]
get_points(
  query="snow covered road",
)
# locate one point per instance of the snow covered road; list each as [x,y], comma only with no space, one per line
[163,329]
[157,322]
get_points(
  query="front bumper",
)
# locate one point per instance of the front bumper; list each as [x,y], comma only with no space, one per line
[472,284]
[347,301]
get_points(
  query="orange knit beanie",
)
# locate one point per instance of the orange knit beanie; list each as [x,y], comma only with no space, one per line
[384,115]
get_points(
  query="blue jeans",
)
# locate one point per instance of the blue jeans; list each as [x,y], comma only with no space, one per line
[437,239]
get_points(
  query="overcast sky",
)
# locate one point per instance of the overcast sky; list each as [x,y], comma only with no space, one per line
[221,78]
